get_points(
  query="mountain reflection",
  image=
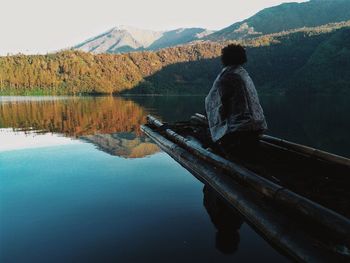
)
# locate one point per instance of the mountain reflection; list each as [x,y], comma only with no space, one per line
[110,123]
[127,145]
[226,220]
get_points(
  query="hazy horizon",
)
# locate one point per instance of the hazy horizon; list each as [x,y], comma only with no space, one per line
[39,26]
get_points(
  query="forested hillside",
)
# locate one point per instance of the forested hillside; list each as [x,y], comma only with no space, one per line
[276,61]
[317,64]
[327,70]
[301,62]
[72,72]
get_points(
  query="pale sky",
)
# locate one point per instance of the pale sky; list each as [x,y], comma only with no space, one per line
[40,26]
[18,140]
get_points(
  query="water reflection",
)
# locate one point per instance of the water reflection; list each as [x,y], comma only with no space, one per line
[322,122]
[124,144]
[171,108]
[74,116]
[226,220]
[18,140]
[319,121]
[112,124]
[148,193]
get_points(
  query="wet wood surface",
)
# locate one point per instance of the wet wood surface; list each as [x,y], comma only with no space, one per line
[299,238]
[314,188]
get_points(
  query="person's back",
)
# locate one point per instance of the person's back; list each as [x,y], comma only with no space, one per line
[233,109]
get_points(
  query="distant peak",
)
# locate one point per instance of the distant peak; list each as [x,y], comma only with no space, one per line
[130,28]
[123,27]
[124,38]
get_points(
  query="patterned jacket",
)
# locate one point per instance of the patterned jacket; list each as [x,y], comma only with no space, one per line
[233,105]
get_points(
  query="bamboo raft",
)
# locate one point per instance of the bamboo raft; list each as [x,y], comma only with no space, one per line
[297,197]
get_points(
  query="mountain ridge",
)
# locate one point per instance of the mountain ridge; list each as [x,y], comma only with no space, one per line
[123,39]
[276,60]
[186,69]
[275,19]
[286,16]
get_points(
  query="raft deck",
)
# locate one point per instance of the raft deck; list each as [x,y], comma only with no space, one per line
[280,185]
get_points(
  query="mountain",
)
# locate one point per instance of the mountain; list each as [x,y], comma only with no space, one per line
[307,60]
[285,17]
[282,57]
[186,69]
[326,70]
[126,39]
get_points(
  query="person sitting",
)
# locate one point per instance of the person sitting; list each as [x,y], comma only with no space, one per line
[235,117]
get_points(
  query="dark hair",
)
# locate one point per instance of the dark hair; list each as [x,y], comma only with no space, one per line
[233,55]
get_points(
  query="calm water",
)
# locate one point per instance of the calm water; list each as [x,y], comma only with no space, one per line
[80,183]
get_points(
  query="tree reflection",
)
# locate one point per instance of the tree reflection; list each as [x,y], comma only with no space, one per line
[73,117]
[110,123]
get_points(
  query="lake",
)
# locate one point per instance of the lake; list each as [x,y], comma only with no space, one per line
[79,182]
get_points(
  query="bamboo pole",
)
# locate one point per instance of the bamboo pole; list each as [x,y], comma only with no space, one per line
[305,150]
[309,151]
[305,207]
[274,225]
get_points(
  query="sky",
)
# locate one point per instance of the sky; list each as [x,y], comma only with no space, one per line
[41,26]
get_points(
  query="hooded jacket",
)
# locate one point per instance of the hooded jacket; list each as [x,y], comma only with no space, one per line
[232,104]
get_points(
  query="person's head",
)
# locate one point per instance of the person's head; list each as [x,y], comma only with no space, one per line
[233,55]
